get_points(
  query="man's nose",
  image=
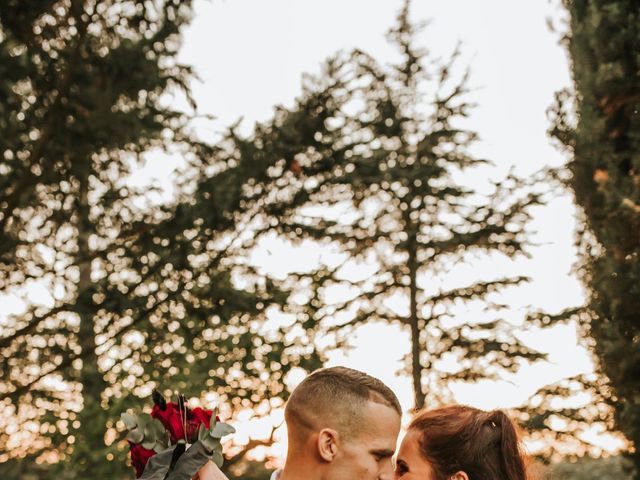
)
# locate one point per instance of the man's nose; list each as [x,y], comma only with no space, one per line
[387,472]
[386,476]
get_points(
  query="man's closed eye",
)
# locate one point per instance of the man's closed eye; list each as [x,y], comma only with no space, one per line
[380,455]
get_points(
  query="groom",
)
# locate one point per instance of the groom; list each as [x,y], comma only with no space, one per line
[342,424]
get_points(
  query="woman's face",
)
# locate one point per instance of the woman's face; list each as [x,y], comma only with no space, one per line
[410,464]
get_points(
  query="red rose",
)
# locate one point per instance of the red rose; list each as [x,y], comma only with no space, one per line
[195,418]
[139,457]
[171,419]
[202,415]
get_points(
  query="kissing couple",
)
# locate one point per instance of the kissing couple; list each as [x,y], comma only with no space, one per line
[343,425]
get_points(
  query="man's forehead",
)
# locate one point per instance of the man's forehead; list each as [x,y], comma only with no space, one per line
[381,422]
[375,409]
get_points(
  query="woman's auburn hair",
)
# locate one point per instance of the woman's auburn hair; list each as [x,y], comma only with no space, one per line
[484,445]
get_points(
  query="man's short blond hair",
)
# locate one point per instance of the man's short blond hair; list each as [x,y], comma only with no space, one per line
[335,397]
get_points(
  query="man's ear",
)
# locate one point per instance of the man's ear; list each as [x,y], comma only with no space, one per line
[459,476]
[328,444]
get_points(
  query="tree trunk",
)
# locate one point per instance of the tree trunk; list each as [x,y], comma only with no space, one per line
[90,437]
[416,366]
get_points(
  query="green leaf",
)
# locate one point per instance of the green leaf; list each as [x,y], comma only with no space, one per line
[136,435]
[157,428]
[144,419]
[217,458]
[221,429]
[158,465]
[190,462]
[129,420]
[202,432]
[211,444]
[149,433]
[149,443]
[160,446]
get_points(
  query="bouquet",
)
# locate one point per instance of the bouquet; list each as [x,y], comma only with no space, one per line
[175,441]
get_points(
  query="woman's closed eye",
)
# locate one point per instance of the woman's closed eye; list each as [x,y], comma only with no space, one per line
[401,467]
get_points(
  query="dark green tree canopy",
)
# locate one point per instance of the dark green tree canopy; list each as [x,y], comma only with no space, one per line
[143,292]
[604,146]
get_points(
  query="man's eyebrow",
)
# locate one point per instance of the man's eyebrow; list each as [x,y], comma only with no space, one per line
[382,452]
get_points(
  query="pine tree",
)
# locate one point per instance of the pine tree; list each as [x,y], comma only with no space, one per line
[390,157]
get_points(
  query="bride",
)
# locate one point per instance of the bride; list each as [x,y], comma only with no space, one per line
[460,443]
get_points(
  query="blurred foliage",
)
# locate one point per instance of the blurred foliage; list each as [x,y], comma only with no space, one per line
[613,468]
[563,415]
[249,470]
[139,290]
[599,126]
